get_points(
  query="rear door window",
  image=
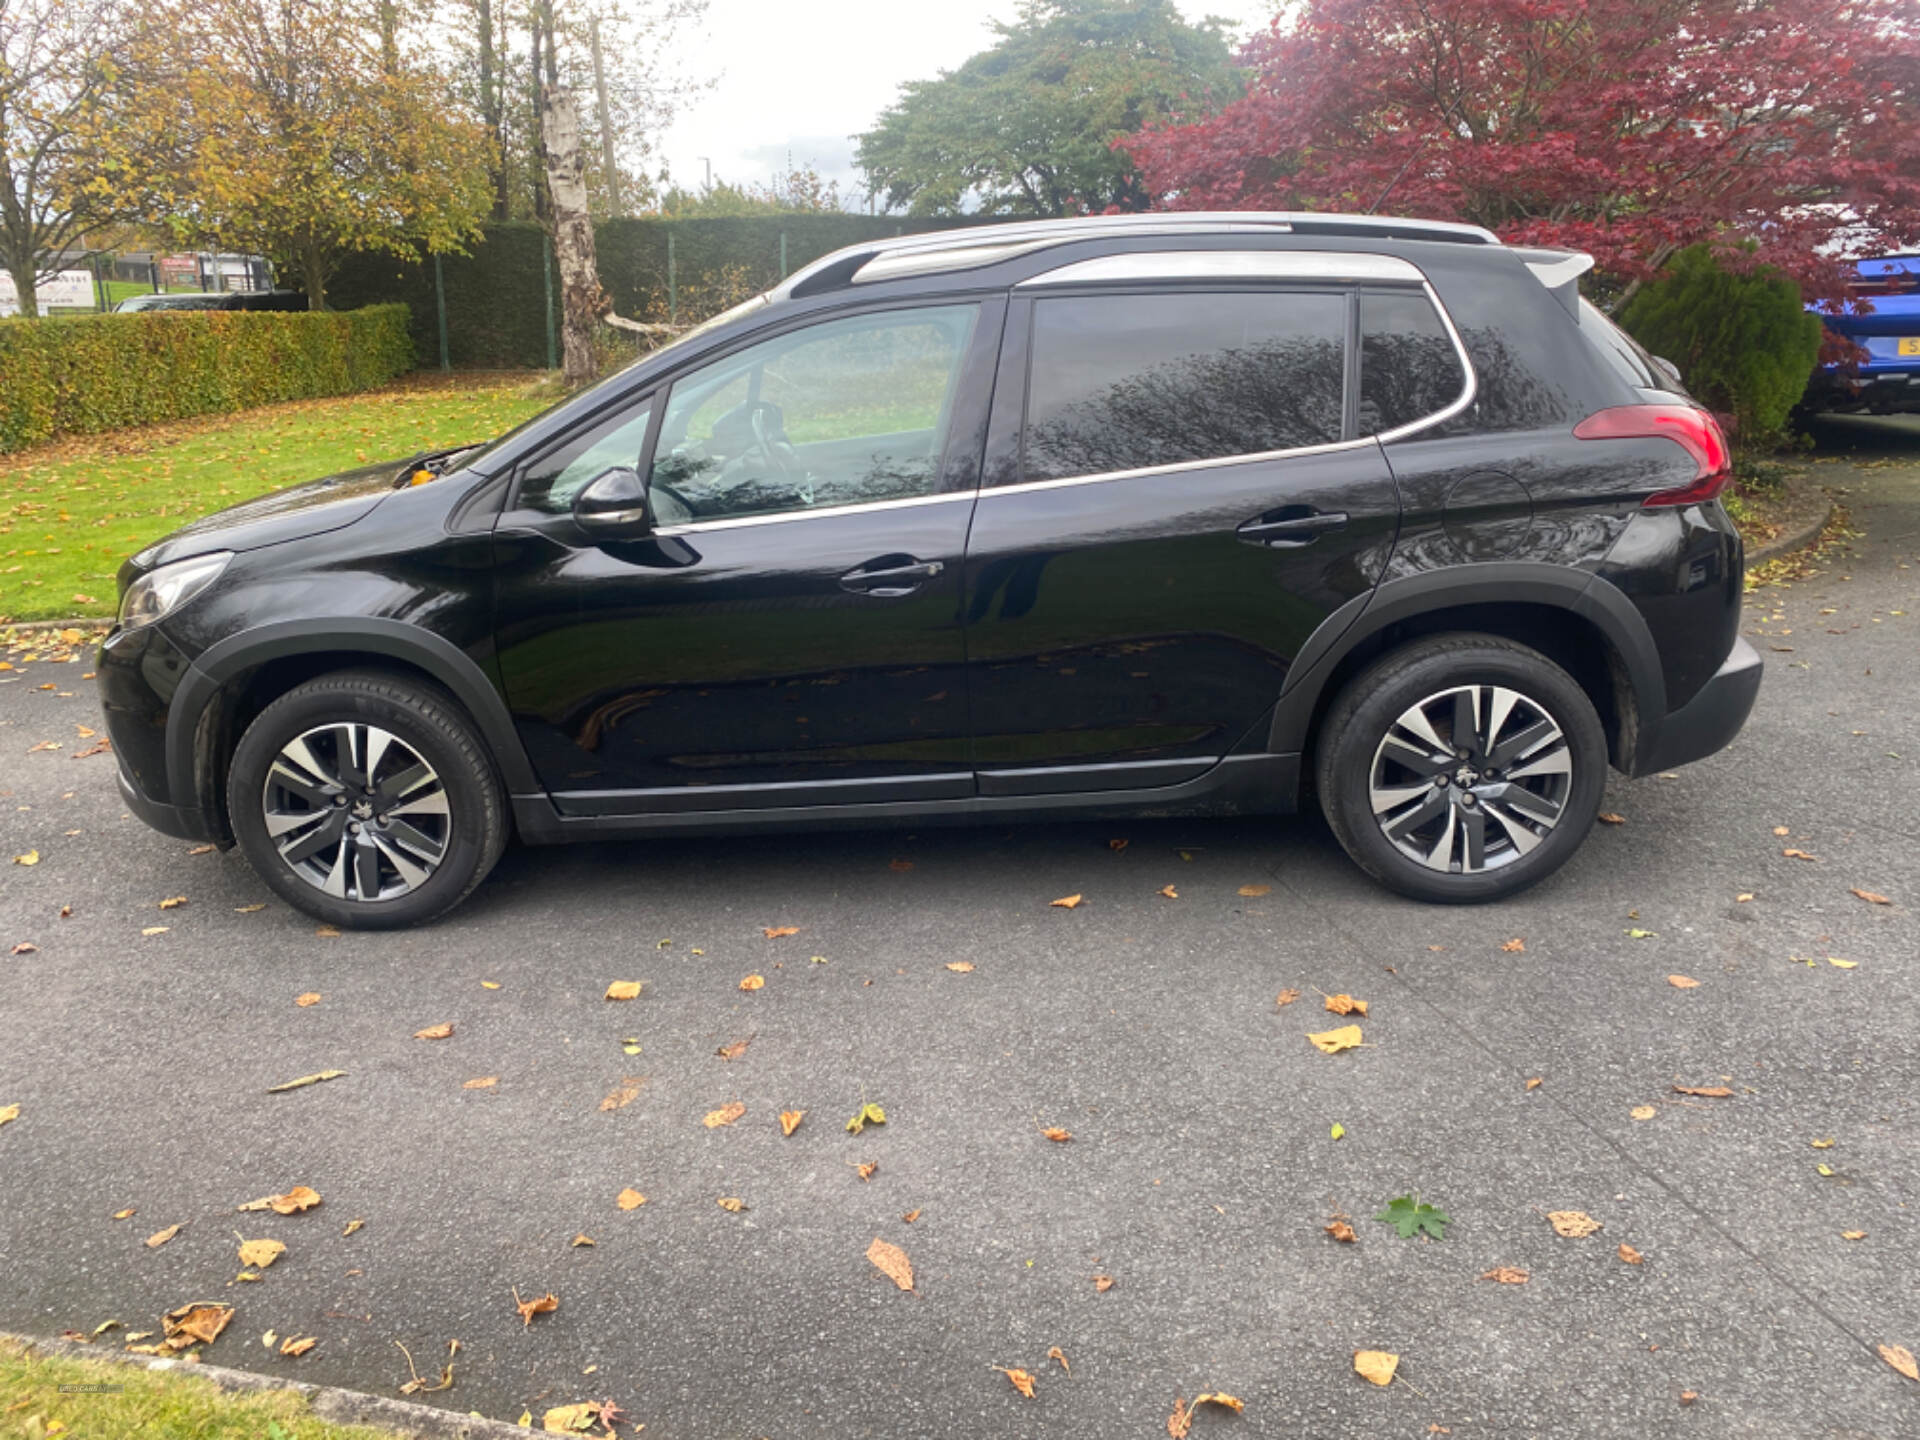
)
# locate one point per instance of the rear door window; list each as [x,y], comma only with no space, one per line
[1409,368]
[1136,382]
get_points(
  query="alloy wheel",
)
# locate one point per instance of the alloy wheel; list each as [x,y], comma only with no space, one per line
[1471,778]
[356,812]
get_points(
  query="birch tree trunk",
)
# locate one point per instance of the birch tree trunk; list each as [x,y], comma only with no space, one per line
[581,301]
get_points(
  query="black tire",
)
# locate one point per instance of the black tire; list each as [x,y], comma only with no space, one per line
[1433,671]
[416,716]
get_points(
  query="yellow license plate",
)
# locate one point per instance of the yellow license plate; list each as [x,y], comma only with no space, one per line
[1910,345]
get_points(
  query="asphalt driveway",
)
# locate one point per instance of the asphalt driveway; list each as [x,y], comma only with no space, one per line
[1201,1169]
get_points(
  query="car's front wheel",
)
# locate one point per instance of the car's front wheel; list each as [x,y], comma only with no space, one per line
[366,800]
[1461,768]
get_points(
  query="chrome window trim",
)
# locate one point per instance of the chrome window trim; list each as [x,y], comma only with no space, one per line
[695,527]
[1384,437]
[1467,393]
[1334,266]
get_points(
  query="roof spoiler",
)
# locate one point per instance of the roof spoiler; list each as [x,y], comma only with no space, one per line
[1560,272]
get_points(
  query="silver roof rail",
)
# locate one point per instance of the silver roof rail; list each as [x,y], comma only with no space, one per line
[977,246]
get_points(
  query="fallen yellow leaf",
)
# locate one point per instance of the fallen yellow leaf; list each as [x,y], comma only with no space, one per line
[1683,982]
[735,1049]
[351,1226]
[299,1198]
[1853,1234]
[1871,898]
[259,1254]
[790,1120]
[1103,1283]
[910,1216]
[625,1093]
[580,1240]
[1843,964]
[1332,1042]
[1346,1005]
[1643,1112]
[1630,1255]
[1065,902]
[10,1113]
[1710,1092]
[299,1347]
[1019,1379]
[732,1204]
[865,1170]
[1213,1397]
[1506,1275]
[312,997]
[1607,817]
[197,1324]
[891,1261]
[1057,1135]
[869,1114]
[126,1214]
[775,932]
[624,990]
[1515,946]
[1901,1359]
[1285,998]
[160,1237]
[32,857]
[481,1082]
[1169,892]
[155,930]
[1534,1082]
[753,982]
[630,1199]
[174,903]
[960,967]
[1376,1366]
[1572,1224]
[1253,892]
[725,1115]
[570,1419]
[1343,1232]
[544,1305]
[435,1032]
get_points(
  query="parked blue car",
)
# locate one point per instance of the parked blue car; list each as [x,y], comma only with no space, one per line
[1887,380]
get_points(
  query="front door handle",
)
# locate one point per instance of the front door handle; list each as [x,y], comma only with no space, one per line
[1283,529]
[891,576]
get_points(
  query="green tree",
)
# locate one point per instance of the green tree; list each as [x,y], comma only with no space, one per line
[296,131]
[1743,341]
[1026,127]
[803,190]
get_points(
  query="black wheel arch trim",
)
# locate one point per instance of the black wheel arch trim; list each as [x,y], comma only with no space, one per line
[1486,583]
[375,639]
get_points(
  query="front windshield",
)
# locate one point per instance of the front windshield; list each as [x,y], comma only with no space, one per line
[479,457]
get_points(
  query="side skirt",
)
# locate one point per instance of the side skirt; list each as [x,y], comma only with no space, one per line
[1257,784]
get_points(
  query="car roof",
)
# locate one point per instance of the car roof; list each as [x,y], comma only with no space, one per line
[937,251]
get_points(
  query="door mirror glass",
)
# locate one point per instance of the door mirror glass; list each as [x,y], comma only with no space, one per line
[613,502]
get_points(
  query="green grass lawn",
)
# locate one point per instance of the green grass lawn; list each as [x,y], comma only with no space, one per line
[70,512]
[144,1405]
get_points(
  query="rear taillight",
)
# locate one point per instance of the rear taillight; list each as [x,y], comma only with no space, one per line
[1693,430]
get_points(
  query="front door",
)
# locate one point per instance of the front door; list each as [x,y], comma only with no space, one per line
[1171,508]
[788,633]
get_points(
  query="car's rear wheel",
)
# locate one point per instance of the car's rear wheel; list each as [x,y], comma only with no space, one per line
[366,800]
[1461,768]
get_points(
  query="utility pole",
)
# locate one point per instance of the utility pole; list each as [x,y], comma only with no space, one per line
[606,125]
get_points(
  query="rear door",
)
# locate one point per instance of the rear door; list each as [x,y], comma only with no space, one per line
[1174,500]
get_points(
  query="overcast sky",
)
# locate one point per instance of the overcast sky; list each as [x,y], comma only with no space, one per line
[801,76]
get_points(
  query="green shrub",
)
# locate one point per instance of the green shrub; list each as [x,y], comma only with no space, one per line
[1744,343]
[83,374]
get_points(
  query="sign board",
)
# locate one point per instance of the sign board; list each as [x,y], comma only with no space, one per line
[70,289]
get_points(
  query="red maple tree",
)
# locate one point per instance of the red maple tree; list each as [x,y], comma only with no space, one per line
[1786,132]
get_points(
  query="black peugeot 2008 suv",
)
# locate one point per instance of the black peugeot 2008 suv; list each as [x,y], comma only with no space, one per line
[1171,515]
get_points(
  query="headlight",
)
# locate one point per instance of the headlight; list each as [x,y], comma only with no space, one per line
[161,591]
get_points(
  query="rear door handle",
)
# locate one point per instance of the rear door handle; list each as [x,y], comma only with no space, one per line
[891,576]
[1287,528]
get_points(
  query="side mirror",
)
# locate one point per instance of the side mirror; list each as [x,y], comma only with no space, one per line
[614,502]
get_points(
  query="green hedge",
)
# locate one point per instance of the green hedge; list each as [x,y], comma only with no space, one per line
[496,295]
[1744,343]
[83,374]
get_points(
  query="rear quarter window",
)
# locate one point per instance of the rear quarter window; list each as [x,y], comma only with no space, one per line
[1135,382]
[1409,368]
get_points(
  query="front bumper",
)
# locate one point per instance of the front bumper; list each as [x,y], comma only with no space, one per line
[189,822]
[1710,720]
